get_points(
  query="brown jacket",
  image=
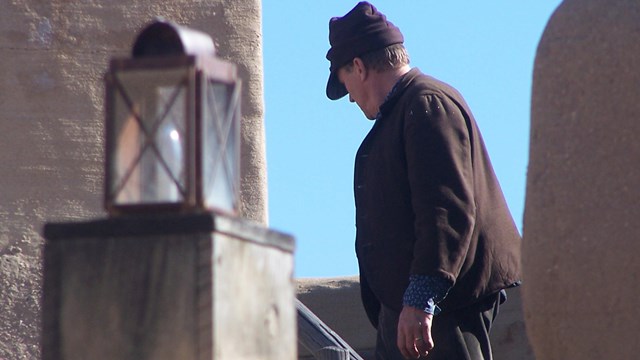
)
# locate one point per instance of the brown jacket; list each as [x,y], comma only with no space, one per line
[428,201]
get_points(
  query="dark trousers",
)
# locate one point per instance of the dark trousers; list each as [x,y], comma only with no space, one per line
[458,335]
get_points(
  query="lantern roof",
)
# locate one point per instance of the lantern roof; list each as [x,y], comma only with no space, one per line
[165,38]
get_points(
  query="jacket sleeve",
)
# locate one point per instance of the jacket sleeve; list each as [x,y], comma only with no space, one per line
[439,167]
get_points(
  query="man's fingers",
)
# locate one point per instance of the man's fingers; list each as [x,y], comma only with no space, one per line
[412,348]
[426,336]
[414,333]
[408,347]
[423,347]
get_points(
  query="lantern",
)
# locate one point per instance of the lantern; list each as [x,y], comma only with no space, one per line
[172,125]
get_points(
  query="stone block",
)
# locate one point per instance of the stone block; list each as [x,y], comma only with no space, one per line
[168,287]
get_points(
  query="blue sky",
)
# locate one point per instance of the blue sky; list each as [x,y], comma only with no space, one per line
[484,49]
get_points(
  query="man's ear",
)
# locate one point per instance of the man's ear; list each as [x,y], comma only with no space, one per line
[360,68]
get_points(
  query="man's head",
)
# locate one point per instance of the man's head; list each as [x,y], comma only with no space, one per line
[369,78]
[362,33]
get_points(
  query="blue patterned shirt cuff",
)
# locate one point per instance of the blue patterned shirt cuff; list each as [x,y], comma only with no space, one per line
[425,291]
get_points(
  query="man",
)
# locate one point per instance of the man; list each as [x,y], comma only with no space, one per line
[433,229]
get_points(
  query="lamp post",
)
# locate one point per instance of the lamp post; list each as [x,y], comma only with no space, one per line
[172,273]
[172,125]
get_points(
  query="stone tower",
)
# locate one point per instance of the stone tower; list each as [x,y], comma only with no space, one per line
[581,236]
[53,55]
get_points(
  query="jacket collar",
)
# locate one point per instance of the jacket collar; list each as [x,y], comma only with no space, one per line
[397,91]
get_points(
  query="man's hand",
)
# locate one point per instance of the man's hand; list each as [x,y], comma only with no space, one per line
[414,333]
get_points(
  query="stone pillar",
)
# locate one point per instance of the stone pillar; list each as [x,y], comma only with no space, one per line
[165,286]
[53,57]
[581,236]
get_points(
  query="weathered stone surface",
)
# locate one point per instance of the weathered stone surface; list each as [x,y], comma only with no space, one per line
[53,57]
[168,287]
[336,301]
[19,300]
[580,226]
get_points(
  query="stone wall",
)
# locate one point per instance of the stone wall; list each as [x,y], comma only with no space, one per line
[580,227]
[53,55]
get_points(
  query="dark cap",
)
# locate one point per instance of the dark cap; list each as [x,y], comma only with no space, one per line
[361,30]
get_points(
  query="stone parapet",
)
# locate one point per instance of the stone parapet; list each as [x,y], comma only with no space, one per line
[336,301]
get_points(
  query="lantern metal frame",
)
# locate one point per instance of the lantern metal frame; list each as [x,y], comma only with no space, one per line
[201,72]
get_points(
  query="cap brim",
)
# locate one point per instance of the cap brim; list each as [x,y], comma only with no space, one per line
[335,89]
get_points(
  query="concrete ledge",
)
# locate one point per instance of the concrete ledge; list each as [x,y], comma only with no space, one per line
[336,301]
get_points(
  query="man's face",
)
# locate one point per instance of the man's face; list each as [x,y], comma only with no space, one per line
[353,81]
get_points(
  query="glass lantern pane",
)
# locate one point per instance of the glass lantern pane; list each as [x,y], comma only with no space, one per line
[151,110]
[220,146]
